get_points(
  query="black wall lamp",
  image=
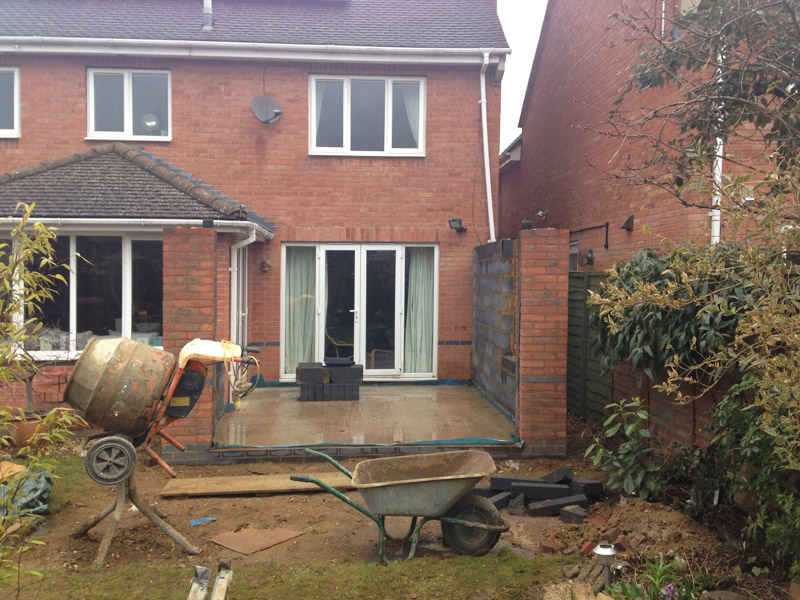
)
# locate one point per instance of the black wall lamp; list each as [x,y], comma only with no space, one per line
[627,225]
[456,225]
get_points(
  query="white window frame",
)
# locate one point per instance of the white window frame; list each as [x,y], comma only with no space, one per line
[72,292]
[346,80]
[14,132]
[127,133]
[361,250]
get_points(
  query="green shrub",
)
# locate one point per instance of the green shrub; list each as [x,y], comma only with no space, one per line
[630,466]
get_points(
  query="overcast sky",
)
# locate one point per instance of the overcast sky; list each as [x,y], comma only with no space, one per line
[522,22]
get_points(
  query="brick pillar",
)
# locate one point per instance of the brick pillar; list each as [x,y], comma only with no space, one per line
[190,311]
[543,286]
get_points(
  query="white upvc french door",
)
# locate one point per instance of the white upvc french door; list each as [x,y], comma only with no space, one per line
[361,293]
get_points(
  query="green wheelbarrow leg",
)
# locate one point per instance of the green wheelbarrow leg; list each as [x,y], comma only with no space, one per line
[378,520]
[415,538]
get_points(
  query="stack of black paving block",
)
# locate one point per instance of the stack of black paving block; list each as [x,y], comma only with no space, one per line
[319,383]
[546,496]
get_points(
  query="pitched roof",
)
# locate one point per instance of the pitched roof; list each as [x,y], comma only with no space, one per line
[115,181]
[371,23]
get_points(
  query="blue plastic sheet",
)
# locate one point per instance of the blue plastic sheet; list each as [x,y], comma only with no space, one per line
[26,494]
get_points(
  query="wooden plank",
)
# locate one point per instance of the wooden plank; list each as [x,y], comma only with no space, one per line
[250,484]
[9,469]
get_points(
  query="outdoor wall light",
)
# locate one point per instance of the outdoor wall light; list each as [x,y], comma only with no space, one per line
[627,225]
[456,225]
[266,266]
[542,214]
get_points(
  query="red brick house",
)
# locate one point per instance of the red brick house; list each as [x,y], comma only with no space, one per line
[280,174]
[550,174]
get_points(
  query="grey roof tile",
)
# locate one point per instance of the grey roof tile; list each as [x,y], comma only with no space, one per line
[371,23]
[114,181]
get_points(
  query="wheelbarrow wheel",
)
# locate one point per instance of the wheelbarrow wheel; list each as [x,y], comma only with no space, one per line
[110,460]
[471,540]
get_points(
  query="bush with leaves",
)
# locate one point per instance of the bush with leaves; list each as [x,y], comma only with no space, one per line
[27,279]
[630,466]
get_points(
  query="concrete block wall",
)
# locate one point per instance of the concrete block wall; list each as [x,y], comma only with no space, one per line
[494,364]
[543,291]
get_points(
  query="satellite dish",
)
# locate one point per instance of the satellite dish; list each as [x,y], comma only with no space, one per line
[266,110]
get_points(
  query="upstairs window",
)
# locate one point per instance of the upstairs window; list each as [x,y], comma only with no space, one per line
[367,116]
[9,102]
[126,104]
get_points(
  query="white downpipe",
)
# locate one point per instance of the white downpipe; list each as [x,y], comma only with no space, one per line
[236,308]
[485,127]
[716,213]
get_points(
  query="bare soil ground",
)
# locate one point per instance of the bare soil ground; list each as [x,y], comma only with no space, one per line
[333,531]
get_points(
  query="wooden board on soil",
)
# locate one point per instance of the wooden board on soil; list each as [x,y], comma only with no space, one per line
[250,484]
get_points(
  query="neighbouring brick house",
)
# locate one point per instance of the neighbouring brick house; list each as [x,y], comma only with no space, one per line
[549,175]
[166,137]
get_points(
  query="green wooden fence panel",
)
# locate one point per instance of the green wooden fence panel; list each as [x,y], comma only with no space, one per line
[588,389]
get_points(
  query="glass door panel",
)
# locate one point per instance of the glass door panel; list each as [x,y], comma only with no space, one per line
[381,310]
[300,302]
[341,316]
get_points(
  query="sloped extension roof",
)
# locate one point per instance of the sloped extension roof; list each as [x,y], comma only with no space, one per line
[117,181]
[420,24]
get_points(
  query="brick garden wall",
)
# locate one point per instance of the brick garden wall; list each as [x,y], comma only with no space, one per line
[494,337]
[519,359]
[543,291]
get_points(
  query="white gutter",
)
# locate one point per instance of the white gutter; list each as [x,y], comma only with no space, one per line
[715,213]
[246,50]
[238,227]
[236,301]
[484,129]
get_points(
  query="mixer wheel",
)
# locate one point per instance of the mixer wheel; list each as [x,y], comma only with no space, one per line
[110,460]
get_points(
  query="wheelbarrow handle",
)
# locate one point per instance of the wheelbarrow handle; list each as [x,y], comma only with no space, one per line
[330,460]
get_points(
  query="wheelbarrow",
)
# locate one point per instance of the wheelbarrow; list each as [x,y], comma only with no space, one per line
[427,487]
[133,391]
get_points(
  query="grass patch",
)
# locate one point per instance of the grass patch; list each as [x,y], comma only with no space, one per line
[505,576]
[69,478]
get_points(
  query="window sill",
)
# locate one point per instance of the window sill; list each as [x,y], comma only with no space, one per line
[366,154]
[128,138]
[9,135]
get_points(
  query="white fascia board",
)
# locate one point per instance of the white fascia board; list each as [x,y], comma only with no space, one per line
[246,50]
[243,228]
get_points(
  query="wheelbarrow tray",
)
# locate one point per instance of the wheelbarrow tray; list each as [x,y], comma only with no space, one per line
[425,485]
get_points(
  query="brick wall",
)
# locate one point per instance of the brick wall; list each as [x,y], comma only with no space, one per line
[543,290]
[580,66]
[494,361]
[47,389]
[267,167]
[191,266]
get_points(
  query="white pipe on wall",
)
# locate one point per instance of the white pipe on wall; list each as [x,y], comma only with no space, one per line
[485,131]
